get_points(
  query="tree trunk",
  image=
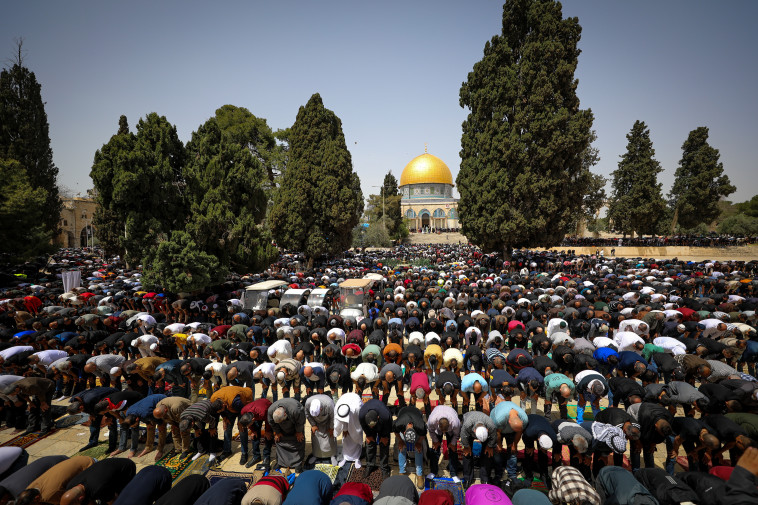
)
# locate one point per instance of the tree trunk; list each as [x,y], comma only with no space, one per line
[674,220]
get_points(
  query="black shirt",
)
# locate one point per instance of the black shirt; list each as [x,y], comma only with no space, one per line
[105,479]
[689,428]
[726,429]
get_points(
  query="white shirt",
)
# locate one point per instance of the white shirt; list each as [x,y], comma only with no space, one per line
[633,325]
[48,357]
[369,370]
[625,341]
[267,369]
[671,344]
[175,328]
[12,351]
[603,342]
[279,350]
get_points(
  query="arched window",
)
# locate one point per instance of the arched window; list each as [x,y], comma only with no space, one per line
[453,214]
[410,214]
[439,213]
[422,212]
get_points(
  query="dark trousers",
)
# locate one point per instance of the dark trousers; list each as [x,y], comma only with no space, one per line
[229,419]
[244,439]
[453,466]
[384,452]
[540,466]
[485,465]
[38,417]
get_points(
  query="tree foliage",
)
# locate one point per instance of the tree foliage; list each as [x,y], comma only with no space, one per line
[699,182]
[740,225]
[522,179]
[22,231]
[749,208]
[177,264]
[377,236]
[139,181]
[319,200]
[115,156]
[636,201]
[227,167]
[25,137]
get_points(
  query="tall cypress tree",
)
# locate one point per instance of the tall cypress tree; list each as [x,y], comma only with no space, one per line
[25,137]
[699,182]
[139,182]
[319,200]
[522,181]
[637,204]
[109,220]
[228,165]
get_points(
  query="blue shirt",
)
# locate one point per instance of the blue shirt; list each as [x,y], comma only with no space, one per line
[529,374]
[603,353]
[144,408]
[467,382]
[502,411]
[311,487]
[627,359]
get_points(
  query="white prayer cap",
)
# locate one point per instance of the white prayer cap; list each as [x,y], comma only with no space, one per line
[114,370]
[545,441]
[481,433]
[315,409]
[153,347]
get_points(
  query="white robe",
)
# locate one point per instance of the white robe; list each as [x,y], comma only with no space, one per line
[350,424]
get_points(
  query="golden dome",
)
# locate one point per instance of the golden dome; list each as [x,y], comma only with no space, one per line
[426,169]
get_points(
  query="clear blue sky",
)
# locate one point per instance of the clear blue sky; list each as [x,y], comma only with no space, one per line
[390,70]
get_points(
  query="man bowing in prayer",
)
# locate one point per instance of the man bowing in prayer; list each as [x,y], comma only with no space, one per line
[287,417]
[319,410]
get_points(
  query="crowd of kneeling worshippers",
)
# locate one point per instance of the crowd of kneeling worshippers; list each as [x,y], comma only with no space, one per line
[612,380]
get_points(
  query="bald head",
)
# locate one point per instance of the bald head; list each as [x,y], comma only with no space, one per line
[90,367]
[477,387]
[159,411]
[76,494]
[515,422]
[232,374]
[308,371]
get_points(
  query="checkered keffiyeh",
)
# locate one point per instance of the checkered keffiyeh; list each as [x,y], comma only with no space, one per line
[569,487]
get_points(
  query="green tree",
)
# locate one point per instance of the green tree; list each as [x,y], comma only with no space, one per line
[522,180]
[25,137]
[140,178]
[319,200]
[749,208]
[228,164]
[377,236]
[739,225]
[699,183]
[110,221]
[22,232]
[178,264]
[636,202]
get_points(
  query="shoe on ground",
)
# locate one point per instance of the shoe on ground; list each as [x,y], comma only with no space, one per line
[186,454]
[253,461]
[243,459]
[60,398]
[420,481]
[194,458]
[88,446]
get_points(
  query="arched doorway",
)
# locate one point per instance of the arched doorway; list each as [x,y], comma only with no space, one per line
[425,220]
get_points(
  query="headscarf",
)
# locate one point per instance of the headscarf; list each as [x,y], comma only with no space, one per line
[612,436]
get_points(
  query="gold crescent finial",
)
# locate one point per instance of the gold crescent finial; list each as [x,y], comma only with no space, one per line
[425,148]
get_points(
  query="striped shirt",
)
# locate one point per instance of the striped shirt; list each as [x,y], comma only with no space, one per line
[200,413]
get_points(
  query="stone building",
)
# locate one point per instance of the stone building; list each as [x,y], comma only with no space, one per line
[426,186]
[76,222]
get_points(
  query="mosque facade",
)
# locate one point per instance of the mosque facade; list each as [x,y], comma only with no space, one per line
[427,202]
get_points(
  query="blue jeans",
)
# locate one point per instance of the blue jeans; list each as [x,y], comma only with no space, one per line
[419,460]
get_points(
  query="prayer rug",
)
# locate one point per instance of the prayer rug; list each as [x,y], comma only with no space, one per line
[215,476]
[100,451]
[25,441]
[455,488]
[588,415]
[65,422]
[538,485]
[174,463]
[330,470]
[193,468]
[374,479]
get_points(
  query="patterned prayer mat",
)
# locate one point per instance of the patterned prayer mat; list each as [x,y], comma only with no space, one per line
[25,441]
[65,422]
[455,488]
[196,467]
[330,470]
[214,476]
[374,479]
[100,451]
[588,415]
[538,485]
[174,463]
